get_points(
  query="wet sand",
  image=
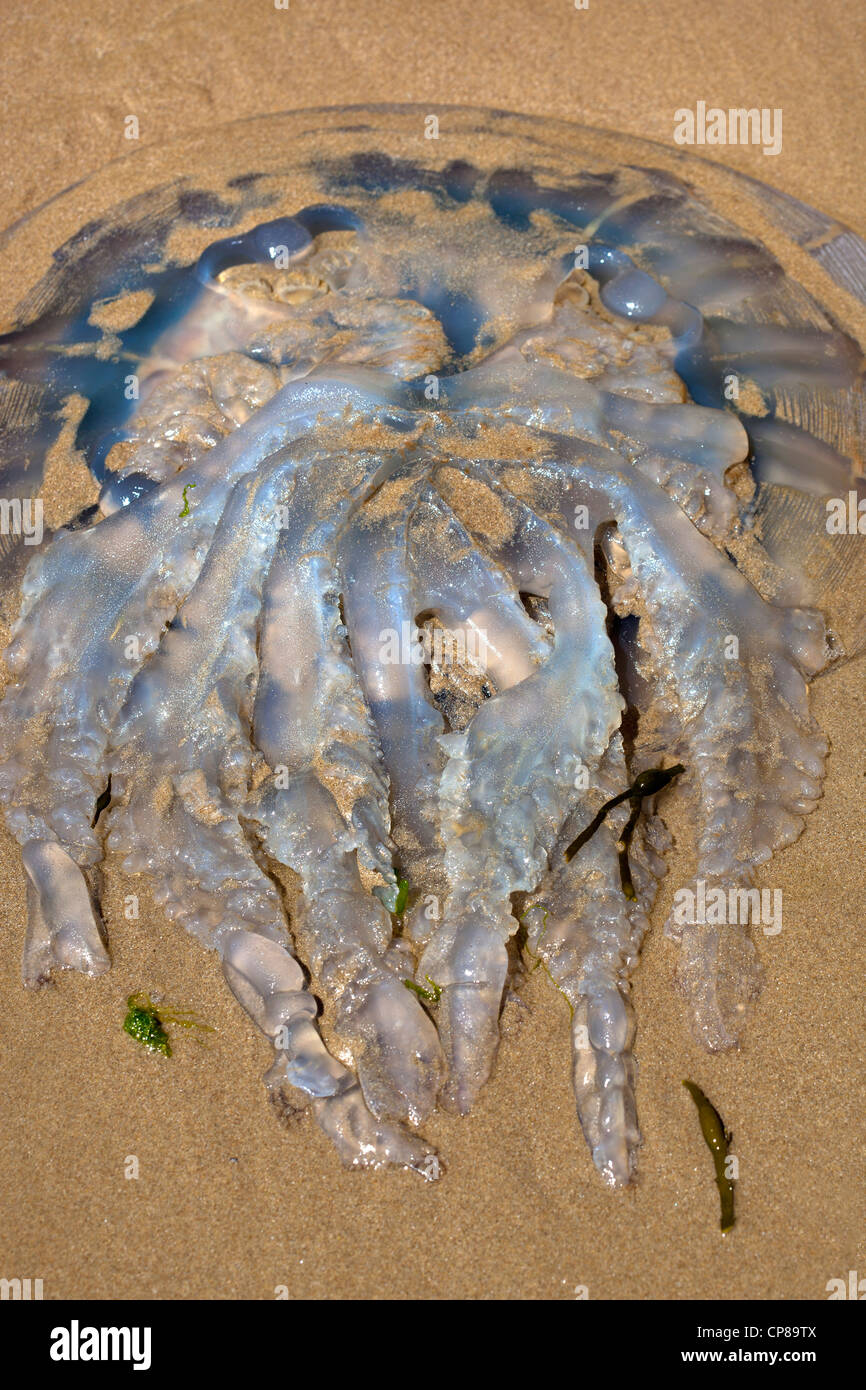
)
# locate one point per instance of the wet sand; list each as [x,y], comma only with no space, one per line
[229,1204]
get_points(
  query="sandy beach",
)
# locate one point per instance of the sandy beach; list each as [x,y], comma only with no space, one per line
[227,1202]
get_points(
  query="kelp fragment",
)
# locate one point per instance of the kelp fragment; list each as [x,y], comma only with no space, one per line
[653,780]
[718,1141]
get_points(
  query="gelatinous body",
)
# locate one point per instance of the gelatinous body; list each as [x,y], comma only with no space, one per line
[432,526]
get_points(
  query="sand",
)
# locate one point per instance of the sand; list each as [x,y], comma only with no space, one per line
[228,1204]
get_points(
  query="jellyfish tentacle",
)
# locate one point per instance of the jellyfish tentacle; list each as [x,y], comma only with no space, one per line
[381,603]
[344,932]
[312,722]
[589,935]
[269,984]
[363,1140]
[731,670]
[508,782]
[64,930]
